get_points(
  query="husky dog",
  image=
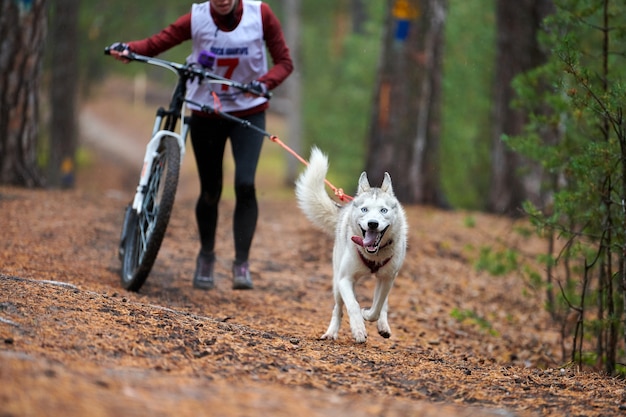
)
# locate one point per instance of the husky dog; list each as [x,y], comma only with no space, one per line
[370,238]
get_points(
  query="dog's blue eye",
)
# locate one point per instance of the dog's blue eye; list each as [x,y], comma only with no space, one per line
[363,209]
[383,210]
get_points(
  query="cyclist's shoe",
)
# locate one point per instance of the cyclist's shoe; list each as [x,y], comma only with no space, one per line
[241,277]
[203,278]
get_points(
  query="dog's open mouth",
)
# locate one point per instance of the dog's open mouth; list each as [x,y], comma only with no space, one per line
[371,239]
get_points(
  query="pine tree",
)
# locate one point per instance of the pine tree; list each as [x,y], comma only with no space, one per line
[579,96]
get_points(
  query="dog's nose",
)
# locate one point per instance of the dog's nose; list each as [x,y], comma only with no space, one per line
[372,224]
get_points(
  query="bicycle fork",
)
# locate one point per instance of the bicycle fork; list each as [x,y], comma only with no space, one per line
[133,210]
[151,152]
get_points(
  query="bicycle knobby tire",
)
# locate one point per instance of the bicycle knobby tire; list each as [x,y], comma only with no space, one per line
[143,232]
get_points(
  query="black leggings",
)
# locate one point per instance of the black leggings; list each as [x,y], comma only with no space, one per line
[208,138]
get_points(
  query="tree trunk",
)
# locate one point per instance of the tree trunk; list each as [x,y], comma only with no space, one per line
[63,92]
[22,34]
[293,86]
[405,132]
[517,51]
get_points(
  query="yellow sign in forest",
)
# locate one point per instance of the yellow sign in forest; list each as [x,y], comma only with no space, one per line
[404,10]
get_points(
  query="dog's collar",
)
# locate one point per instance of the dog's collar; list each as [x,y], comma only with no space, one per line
[372,265]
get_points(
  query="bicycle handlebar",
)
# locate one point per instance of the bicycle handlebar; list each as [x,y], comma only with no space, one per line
[190,71]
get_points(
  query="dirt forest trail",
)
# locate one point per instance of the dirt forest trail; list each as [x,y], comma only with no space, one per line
[74,343]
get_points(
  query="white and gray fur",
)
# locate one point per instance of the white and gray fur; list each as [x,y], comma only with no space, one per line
[370,236]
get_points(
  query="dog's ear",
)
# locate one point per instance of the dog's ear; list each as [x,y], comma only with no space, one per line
[364,184]
[387,187]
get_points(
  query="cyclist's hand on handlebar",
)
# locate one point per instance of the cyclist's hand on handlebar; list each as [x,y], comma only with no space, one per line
[256,88]
[119,51]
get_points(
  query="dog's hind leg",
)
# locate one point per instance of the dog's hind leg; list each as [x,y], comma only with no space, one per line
[378,310]
[335,321]
[357,325]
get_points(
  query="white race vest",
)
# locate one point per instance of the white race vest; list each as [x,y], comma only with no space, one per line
[240,56]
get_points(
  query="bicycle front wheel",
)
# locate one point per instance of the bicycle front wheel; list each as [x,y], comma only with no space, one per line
[144,231]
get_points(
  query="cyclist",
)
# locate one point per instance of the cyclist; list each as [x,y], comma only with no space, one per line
[237,32]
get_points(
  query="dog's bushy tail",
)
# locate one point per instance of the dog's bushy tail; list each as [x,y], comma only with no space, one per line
[311,193]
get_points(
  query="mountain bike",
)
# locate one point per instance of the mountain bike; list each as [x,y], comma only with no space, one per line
[147,216]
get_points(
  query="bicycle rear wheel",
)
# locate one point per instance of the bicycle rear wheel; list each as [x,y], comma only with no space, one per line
[144,232]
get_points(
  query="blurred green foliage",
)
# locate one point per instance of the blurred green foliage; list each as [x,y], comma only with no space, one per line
[466,110]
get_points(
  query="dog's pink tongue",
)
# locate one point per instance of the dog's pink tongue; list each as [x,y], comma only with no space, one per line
[370,238]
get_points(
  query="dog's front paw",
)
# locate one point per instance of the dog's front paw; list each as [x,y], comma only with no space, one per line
[359,333]
[360,337]
[329,336]
[384,333]
[383,328]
